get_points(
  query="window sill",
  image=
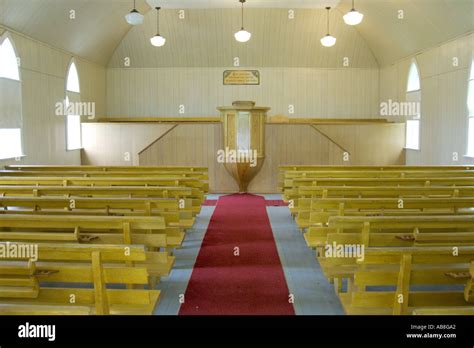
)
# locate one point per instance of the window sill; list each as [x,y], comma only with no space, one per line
[411,149]
[70,150]
[10,79]
[12,158]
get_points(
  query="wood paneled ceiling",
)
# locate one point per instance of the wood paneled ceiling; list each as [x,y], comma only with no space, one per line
[205,37]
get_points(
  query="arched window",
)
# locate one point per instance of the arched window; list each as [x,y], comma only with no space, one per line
[10,101]
[9,67]
[470,112]
[73,99]
[413,98]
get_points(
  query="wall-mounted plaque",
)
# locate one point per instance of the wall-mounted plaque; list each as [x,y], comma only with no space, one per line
[242,77]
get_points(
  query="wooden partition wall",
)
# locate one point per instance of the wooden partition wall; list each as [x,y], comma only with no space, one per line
[197,145]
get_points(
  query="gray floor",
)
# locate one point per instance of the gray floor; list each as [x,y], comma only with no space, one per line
[312,293]
[213,196]
[176,283]
[271,196]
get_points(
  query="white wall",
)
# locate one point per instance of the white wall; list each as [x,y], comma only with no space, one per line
[43,75]
[443,99]
[337,82]
[314,92]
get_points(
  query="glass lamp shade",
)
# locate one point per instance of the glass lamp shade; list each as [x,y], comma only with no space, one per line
[134,18]
[328,41]
[158,41]
[353,17]
[242,35]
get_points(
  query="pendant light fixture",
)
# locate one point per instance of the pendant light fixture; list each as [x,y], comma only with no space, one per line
[353,17]
[158,40]
[134,17]
[328,40]
[242,35]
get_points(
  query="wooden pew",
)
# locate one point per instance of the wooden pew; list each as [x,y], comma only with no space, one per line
[99,181]
[396,231]
[377,174]
[286,177]
[321,209]
[464,310]
[361,208]
[356,170]
[96,230]
[384,281]
[384,192]
[367,187]
[403,182]
[401,230]
[106,168]
[179,192]
[57,275]
[130,206]
[299,199]
[99,229]
[366,168]
[175,214]
[110,174]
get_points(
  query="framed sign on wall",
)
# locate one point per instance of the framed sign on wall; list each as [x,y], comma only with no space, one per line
[242,77]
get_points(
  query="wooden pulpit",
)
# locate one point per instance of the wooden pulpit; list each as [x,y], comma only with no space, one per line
[243,152]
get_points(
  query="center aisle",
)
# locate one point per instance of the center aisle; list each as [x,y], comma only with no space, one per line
[238,270]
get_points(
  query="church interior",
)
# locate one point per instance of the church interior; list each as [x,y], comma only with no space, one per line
[237,158]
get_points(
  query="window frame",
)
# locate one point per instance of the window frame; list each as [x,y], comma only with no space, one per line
[66,123]
[6,36]
[417,119]
[3,37]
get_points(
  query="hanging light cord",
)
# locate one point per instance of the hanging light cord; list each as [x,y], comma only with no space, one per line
[353,8]
[242,1]
[158,20]
[134,4]
[328,8]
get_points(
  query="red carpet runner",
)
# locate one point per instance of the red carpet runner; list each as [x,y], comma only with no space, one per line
[250,284]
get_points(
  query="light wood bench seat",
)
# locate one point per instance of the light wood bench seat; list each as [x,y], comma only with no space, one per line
[18,280]
[195,195]
[407,231]
[354,170]
[149,231]
[105,168]
[366,168]
[376,192]
[424,181]
[32,309]
[300,199]
[176,213]
[464,310]
[321,209]
[376,174]
[110,174]
[87,264]
[439,275]
[287,177]
[99,181]
[91,230]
